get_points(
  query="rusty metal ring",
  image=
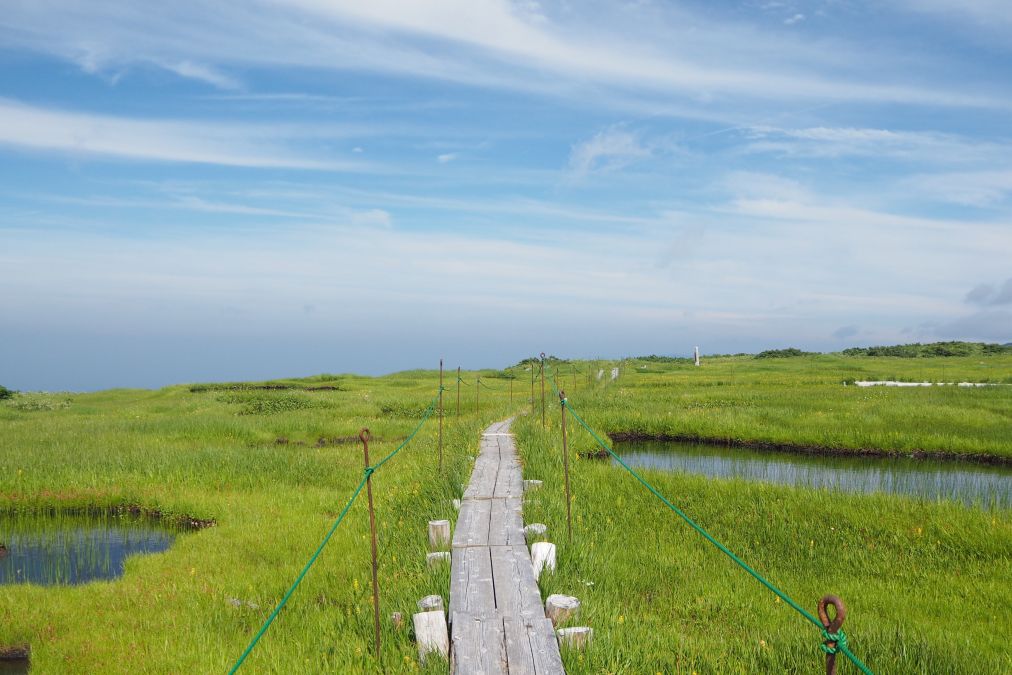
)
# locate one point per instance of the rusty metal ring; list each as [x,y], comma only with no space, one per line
[542,356]
[364,435]
[841,613]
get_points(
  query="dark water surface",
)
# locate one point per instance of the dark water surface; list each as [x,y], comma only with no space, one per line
[972,484]
[74,549]
[13,666]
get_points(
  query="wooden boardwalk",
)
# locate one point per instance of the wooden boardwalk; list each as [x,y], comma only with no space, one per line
[497,619]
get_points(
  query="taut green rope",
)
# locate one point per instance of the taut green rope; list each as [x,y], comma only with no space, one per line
[425,416]
[838,637]
[298,580]
[369,471]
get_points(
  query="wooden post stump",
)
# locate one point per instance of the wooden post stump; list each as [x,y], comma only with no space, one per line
[431,634]
[575,638]
[439,533]
[543,556]
[438,558]
[561,608]
[535,529]
[431,603]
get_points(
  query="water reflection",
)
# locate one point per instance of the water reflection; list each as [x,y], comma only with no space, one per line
[972,484]
[74,549]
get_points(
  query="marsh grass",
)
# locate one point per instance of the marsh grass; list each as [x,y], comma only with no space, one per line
[927,583]
[181,452]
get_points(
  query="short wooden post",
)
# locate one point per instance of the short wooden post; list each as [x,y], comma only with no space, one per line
[431,634]
[364,437]
[535,530]
[565,463]
[575,638]
[436,559]
[440,415]
[477,391]
[543,557]
[431,603]
[439,533]
[511,389]
[458,391]
[561,608]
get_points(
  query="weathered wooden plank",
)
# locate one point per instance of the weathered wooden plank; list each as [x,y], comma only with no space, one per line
[506,524]
[516,591]
[531,648]
[471,586]
[509,481]
[473,523]
[478,645]
[482,485]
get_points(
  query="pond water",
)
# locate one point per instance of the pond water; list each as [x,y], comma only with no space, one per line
[74,549]
[972,484]
[13,666]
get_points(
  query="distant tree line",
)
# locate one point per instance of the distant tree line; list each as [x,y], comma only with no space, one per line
[788,353]
[915,350]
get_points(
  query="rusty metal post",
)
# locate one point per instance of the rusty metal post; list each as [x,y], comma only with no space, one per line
[544,424]
[440,415]
[565,463]
[511,389]
[477,392]
[364,436]
[831,626]
[458,391]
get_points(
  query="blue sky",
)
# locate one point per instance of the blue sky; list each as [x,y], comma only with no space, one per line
[196,191]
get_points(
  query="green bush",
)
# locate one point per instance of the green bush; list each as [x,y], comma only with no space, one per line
[789,353]
[5,393]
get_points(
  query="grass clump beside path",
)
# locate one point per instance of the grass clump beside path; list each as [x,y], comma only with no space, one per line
[251,461]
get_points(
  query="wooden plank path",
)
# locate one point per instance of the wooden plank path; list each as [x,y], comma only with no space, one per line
[497,619]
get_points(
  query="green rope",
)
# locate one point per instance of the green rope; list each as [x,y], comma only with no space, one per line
[298,580]
[838,637]
[428,413]
[486,386]
[367,474]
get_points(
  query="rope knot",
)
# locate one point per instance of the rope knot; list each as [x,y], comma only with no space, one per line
[369,471]
[833,642]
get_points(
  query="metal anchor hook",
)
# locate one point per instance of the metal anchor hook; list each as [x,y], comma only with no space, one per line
[831,627]
[364,435]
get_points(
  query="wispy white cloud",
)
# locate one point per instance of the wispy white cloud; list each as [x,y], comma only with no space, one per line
[971,188]
[202,73]
[607,150]
[446,157]
[243,145]
[614,54]
[881,144]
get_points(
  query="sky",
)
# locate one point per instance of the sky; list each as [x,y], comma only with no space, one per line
[195,191]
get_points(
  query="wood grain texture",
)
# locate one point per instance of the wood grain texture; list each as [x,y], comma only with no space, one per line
[498,622]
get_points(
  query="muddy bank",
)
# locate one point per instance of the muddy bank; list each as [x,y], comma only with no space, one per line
[632,436]
[181,521]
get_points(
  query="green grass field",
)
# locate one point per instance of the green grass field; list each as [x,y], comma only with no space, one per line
[928,585]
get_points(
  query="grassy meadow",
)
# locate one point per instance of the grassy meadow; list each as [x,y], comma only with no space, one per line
[927,584]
